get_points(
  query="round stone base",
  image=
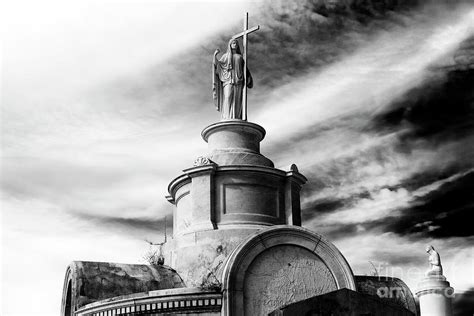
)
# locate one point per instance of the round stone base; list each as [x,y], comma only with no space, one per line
[235,142]
[435,295]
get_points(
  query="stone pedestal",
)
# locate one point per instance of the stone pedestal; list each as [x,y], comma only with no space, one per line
[230,193]
[235,142]
[435,295]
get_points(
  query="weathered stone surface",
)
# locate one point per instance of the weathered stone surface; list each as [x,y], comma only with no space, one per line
[199,257]
[343,302]
[388,289]
[284,274]
[87,282]
[278,265]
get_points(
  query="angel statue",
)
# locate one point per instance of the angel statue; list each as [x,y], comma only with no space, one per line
[228,81]
[435,262]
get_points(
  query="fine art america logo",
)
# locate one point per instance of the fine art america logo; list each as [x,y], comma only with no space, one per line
[398,292]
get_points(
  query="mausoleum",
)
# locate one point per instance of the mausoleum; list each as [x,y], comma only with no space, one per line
[238,247]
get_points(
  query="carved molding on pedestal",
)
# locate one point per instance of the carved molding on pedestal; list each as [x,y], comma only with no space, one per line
[202,161]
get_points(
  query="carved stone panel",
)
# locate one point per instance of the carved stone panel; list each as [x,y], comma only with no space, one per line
[250,196]
[284,274]
[258,197]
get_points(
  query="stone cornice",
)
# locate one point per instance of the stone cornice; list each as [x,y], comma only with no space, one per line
[232,124]
[189,173]
[162,301]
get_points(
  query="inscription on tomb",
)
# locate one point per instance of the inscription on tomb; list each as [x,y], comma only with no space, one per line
[284,274]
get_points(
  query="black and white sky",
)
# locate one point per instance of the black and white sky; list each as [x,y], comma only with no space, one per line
[103,103]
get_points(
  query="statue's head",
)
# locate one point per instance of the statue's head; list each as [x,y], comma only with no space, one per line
[429,248]
[234,45]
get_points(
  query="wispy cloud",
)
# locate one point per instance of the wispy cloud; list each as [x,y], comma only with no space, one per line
[367,80]
[406,259]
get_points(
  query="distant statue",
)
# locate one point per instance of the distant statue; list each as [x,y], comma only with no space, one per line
[228,81]
[435,262]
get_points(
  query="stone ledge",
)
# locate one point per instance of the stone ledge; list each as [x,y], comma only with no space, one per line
[232,124]
[160,301]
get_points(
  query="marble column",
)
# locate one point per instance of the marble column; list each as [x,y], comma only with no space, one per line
[435,295]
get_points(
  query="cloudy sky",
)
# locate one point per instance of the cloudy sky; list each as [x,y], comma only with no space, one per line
[103,103]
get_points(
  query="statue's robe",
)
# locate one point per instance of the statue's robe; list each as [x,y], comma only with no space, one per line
[228,84]
[435,263]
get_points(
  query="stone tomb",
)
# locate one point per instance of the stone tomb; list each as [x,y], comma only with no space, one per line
[237,246]
[231,193]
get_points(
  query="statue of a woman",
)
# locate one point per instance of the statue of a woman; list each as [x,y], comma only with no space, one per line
[435,262]
[228,81]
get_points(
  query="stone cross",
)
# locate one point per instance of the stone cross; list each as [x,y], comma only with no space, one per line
[244,35]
